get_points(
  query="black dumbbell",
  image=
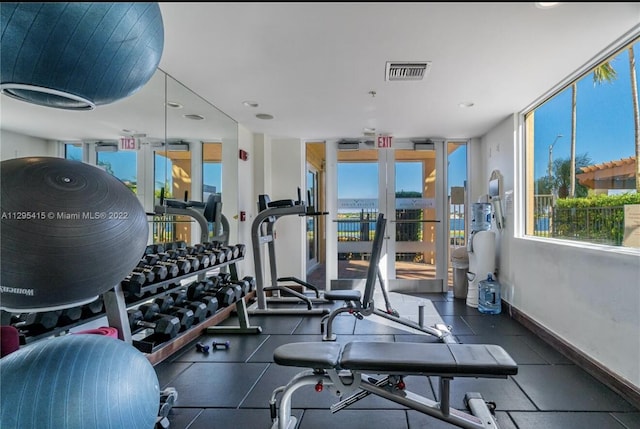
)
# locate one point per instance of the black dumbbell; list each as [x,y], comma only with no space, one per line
[154,248]
[199,308]
[242,250]
[216,345]
[69,316]
[161,324]
[93,308]
[165,305]
[182,253]
[37,323]
[160,271]
[202,348]
[224,294]
[215,256]
[252,282]
[150,276]
[196,292]
[196,249]
[245,286]
[229,254]
[172,269]
[203,259]
[184,266]
[224,277]
[133,282]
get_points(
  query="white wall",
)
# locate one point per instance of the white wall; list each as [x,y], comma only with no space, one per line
[247,199]
[288,174]
[587,295]
[13,145]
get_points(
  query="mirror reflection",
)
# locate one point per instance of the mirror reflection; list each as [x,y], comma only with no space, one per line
[163,142]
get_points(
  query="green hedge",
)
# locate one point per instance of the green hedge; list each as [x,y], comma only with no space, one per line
[597,218]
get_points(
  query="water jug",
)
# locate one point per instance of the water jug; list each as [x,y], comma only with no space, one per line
[489,301]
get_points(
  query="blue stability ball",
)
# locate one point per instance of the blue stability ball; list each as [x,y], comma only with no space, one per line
[78,55]
[69,232]
[78,382]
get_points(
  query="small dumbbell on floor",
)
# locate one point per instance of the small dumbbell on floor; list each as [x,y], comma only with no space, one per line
[222,345]
[202,348]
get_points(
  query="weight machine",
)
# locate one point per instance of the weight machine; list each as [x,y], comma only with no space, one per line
[263,232]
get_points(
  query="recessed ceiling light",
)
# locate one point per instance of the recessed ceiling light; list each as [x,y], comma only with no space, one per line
[466,104]
[174,105]
[250,103]
[547,4]
[129,132]
[264,116]
[194,117]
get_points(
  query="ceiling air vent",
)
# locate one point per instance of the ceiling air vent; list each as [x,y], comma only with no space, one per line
[406,70]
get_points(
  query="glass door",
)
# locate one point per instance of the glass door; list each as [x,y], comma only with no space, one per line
[404,184]
[416,257]
[313,242]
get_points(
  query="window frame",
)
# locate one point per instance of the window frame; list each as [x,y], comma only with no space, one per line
[524,179]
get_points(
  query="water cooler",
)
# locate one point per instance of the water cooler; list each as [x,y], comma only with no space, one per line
[481,249]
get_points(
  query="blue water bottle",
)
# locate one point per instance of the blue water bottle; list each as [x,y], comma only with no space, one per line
[489,301]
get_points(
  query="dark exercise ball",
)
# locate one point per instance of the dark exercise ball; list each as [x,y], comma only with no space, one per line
[69,232]
[78,381]
[78,55]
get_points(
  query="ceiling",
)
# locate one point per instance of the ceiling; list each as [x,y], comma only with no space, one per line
[314,66]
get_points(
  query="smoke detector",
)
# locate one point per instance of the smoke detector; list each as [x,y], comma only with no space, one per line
[408,70]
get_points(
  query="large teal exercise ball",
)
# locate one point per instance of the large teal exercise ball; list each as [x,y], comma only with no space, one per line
[78,55]
[78,382]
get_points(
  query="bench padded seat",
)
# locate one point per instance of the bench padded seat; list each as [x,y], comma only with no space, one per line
[343,295]
[461,360]
[455,360]
[314,355]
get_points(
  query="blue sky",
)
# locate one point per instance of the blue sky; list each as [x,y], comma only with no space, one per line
[360,180]
[604,119]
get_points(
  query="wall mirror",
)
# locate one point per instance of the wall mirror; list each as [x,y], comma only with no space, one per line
[180,143]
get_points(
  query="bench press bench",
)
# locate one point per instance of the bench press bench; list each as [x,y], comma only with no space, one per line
[342,370]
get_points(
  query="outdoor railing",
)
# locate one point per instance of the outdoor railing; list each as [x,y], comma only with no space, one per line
[603,225]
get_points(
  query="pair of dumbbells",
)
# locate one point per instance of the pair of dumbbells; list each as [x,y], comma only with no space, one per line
[215,345]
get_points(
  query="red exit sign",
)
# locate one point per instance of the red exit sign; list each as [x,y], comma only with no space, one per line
[385,141]
[128,143]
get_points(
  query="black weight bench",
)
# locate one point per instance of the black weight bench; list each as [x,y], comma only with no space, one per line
[341,369]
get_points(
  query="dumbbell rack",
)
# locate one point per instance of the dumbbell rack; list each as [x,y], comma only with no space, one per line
[116,312]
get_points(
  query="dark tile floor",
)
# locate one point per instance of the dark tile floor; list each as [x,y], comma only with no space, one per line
[231,388]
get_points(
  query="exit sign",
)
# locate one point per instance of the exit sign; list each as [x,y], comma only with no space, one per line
[385,141]
[128,143]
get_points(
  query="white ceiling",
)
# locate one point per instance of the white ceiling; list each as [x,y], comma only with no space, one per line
[312,65]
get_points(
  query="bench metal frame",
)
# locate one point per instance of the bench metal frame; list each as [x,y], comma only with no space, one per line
[362,385]
[364,306]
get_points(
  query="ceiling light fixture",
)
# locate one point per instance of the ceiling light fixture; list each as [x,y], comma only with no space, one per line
[547,4]
[174,105]
[194,117]
[249,103]
[264,116]
[466,104]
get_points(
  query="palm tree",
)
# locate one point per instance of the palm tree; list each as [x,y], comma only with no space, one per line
[636,114]
[601,74]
